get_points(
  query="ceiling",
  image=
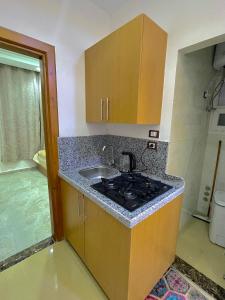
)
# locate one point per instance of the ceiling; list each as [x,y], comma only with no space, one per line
[110,6]
[19,60]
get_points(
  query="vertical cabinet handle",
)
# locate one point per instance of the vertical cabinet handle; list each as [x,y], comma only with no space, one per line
[102,117]
[107,108]
[106,116]
[80,207]
[78,196]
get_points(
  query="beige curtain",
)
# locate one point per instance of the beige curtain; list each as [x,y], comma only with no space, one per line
[21,126]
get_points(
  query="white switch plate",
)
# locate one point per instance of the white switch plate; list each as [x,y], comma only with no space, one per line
[154,134]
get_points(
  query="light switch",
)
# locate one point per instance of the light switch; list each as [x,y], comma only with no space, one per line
[154,134]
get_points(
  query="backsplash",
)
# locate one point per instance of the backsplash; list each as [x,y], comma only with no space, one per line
[154,160]
[80,151]
[84,151]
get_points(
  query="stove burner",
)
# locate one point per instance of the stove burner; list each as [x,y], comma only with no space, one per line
[146,184]
[130,176]
[108,183]
[131,190]
[128,194]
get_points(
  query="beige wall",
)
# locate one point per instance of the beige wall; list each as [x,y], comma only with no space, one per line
[187,23]
[71,26]
[190,123]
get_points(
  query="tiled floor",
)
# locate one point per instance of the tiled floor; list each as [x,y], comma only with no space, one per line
[195,248]
[57,273]
[24,211]
[54,273]
[16,166]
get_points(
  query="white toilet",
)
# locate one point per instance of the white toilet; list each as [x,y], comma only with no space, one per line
[217,224]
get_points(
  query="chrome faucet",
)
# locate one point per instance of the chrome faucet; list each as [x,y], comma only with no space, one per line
[112,161]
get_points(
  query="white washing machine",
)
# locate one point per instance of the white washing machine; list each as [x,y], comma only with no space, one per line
[217,224]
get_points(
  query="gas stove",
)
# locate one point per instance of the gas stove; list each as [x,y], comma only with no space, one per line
[131,190]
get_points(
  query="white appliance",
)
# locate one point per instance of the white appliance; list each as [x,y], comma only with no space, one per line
[217,225]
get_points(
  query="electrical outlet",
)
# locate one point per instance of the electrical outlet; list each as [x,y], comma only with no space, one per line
[152,145]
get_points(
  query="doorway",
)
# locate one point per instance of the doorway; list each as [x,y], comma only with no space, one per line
[45,53]
[24,205]
[193,155]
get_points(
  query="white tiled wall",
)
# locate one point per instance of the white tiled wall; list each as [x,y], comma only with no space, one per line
[190,124]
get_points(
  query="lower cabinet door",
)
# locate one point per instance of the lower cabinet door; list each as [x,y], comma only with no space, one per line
[107,244]
[73,216]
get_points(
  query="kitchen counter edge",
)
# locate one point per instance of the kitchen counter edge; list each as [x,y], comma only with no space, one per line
[129,219]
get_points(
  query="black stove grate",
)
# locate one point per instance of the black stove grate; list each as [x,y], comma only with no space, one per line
[131,190]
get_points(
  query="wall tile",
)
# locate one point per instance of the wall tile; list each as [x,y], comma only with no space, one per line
[87,150]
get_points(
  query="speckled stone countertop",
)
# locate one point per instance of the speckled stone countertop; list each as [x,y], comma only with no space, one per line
[129,219]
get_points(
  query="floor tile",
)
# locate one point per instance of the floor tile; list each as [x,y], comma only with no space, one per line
[54,273]
[57,273]
[24,211]
[195,248]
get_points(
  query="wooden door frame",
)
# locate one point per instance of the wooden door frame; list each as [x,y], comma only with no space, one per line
[46,53]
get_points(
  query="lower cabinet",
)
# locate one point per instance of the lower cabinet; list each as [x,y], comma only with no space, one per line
[73,216]
[127,263]
[107,244]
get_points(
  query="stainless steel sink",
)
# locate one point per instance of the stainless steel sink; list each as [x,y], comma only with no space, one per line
[98,172]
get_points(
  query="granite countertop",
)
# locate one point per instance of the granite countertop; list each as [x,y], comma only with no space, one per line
[129,219]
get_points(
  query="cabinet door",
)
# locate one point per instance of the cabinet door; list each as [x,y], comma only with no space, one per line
[128,60]
[93,83]
[153,248]
[153,56]
[107,244]
[110,80]
[125,73]
[73,216]
[99,76]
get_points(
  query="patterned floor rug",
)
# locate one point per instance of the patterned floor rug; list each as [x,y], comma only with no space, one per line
[173,286]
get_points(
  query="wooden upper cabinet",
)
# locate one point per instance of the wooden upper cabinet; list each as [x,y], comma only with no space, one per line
[100,72]
[125,74]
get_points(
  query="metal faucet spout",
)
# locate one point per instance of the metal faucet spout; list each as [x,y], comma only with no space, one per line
[112,161]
